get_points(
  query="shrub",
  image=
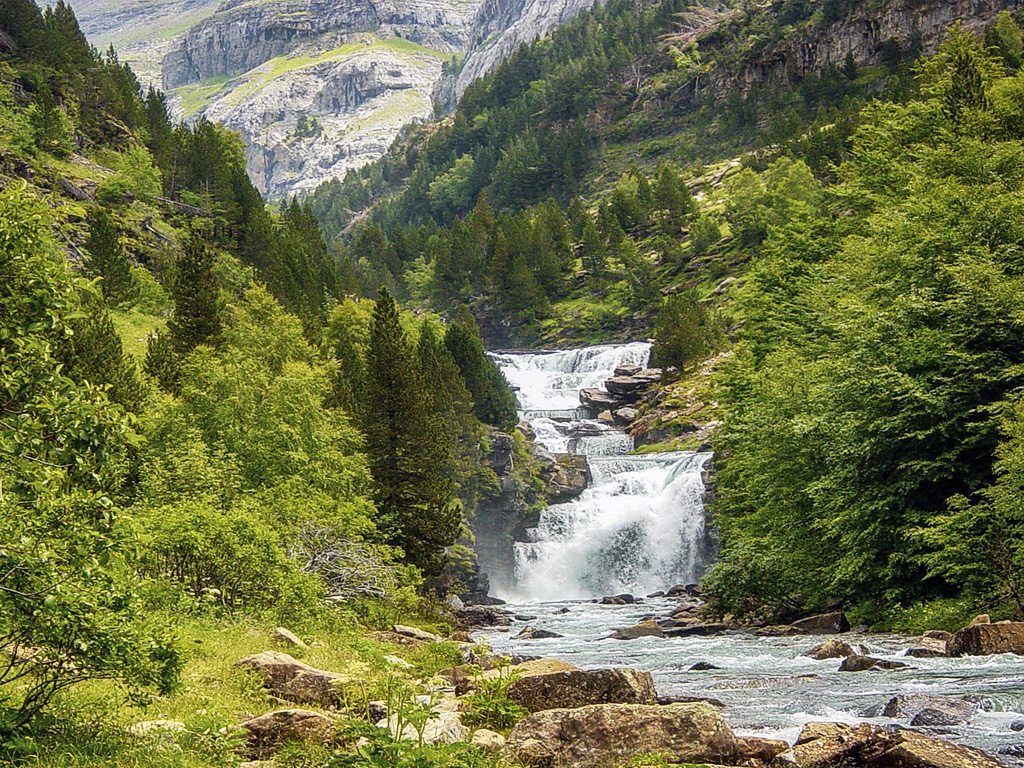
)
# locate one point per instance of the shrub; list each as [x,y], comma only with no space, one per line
[229,558]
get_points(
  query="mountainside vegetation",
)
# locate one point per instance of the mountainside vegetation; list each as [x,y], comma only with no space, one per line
[201,433]
[218,417]
[855,263]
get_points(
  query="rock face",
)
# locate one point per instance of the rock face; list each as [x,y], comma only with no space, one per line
[499,28]
[824,745]
[612,734]
[315,87]
[570,690]
[292,680]
[985,639]
[865,34]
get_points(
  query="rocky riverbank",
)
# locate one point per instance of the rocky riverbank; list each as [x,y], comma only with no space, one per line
[608,717]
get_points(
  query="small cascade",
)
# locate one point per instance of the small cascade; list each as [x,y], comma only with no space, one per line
[640,525]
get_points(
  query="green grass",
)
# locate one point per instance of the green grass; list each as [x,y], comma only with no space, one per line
[89,724]
[134,327]
[197,96]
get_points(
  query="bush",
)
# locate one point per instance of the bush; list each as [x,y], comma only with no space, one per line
[229,558]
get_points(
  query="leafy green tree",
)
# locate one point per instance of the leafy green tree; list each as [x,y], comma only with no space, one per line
[704,234]
[64,585]
[108,259]
[978,546]
[196,319]
[493,400]
[406,448]
[685,332]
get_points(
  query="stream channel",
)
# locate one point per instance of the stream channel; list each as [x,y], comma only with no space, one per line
[640,528]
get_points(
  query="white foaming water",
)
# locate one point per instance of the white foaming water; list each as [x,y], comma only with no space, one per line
[553,380]
[639,526]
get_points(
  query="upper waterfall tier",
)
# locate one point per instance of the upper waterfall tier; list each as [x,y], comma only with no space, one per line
[551,381]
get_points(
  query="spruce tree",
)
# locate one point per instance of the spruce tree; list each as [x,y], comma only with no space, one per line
[108,260]
[162,362]
[196,293]
[406,448]
[493,401]
[95,354]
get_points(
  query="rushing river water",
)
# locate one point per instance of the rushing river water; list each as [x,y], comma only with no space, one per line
[640,528]
[769,689]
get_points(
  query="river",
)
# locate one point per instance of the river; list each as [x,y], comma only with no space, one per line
[640,528]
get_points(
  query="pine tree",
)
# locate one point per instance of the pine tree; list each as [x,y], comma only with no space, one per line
[196,293]
[674,199]
[95,354]
[162,362]
[593,253]
[406,448]
[493,401]
[451,402]
[108,260]
[685,331]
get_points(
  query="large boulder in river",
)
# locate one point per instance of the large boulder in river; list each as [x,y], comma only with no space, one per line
[292,680]
[985,639]
[536,633]
[570,690]
[824,624]
[832,648]
[858,663]
[929,648]
[631,387]
[647,628]
[938,710]
[613,734]
[826,745]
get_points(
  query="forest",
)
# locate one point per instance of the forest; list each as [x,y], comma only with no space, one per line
[219,415]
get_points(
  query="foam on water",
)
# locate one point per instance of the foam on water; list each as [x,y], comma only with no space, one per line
[640,525]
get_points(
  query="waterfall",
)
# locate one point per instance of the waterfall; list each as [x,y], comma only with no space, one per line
[639,526]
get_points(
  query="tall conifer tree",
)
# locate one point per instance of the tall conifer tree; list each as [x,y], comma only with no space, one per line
[107,258]
[196,295]
[493,401]
[405,445]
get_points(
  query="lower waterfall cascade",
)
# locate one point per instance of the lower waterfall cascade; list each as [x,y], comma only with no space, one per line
[640,525]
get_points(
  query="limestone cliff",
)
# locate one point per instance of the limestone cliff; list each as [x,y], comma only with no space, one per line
[499,28]
[315,87]
[866,34]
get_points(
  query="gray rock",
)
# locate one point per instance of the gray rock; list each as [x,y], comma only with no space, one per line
[926,709]
[858,663]
[647,628]
[535,633]
[569,690]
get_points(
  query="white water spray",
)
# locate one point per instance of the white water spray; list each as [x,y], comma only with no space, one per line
[640,526]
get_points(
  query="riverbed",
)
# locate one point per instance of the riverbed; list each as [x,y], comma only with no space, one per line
[768,687]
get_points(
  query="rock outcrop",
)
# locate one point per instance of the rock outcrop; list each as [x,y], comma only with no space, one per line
[571,690]
[612,734]
[868,746]
[292,680]
[985,639]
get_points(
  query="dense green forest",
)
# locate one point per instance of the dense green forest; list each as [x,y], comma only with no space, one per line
[867,458]
[218,416]
[203,434]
